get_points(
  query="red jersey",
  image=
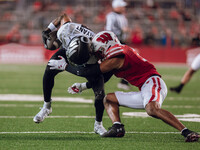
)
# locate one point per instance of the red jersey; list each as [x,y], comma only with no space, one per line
[136,70]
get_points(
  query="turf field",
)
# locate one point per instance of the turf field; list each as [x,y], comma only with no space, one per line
[70,126]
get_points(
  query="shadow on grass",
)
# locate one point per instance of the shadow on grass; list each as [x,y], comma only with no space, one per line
[93,137]
[49,137]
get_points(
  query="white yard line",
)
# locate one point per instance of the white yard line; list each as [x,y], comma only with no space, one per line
[183,98]
[180,106]
[39,98]
[54,105]
[25,97]
[185,117]
[81,132]
[27,117]
[36,98]
[88,106]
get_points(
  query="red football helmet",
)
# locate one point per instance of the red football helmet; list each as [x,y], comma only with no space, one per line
[102,41]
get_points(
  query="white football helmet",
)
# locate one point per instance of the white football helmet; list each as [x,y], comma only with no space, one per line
[102,41]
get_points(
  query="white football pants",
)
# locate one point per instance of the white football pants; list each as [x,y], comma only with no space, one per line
[196,63]
[154,89]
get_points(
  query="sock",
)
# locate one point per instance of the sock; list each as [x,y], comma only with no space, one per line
[117,122]
[97,122]
[181,85]
[185,132]
[47,105]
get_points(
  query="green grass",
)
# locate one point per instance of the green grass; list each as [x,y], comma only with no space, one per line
[27,79]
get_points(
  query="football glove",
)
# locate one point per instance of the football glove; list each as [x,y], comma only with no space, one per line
[77,88]
[57,64]
[45,36]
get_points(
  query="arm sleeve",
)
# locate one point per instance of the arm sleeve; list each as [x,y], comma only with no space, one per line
[89,70]
[106,76]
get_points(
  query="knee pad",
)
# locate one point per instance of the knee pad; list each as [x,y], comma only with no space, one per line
[99,96]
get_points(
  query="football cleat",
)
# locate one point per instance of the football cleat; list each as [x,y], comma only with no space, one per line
[44,112]
[98,128]
[117,130]
[192,137]
[177,89]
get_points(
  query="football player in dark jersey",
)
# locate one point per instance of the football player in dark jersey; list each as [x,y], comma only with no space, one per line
[59,33]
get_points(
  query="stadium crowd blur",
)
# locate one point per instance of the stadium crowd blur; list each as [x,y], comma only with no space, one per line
[169,23]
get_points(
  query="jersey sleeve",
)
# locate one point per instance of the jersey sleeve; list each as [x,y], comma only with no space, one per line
[88,70]
[114,51]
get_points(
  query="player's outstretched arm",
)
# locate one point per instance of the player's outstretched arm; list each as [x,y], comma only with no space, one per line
[91,70]
[96,69]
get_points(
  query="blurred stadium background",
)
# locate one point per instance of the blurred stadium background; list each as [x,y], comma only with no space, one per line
[164,30]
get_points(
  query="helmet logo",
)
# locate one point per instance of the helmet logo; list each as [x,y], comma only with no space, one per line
[104,38]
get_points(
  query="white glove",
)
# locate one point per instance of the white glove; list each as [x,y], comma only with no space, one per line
[77,88]
[57,64]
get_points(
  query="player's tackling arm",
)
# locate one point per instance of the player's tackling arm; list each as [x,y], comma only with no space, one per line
[111,64]
[106,66]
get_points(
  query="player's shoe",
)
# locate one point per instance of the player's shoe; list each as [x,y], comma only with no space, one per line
[177,89]
[43,113]
[117,130]
[98,128]
[192,137]
[123,86]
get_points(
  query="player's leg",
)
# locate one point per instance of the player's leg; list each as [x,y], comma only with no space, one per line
[188,75]
[153,109]
[186,78]
[98,89]
[112,101]
[112,107]
[154,92]
[48,84]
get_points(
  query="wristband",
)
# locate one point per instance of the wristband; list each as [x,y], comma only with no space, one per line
[52,27]
[83,86]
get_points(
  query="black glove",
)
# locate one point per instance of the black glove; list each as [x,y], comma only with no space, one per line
[45,36]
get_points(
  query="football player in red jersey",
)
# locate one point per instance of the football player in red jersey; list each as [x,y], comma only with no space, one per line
[124,62]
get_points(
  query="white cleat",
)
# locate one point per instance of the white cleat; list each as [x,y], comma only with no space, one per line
[98,128]
[44,112]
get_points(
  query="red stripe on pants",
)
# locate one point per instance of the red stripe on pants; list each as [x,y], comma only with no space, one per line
[158,91]
[153,90]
